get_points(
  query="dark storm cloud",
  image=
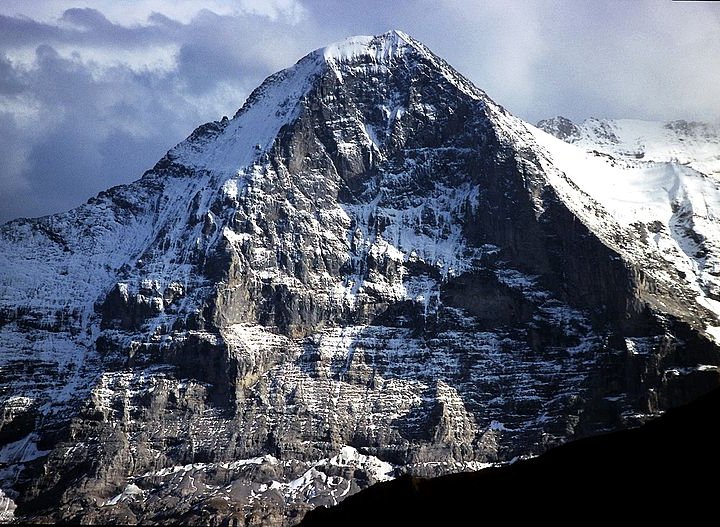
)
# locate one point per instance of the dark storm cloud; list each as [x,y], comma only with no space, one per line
[11,82]
[89,132]
[84,27]
[19,31]
[12,163]
[88,18]
[221,48]
[94,126]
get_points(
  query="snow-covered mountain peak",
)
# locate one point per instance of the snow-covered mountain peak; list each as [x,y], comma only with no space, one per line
[226,146]
[379,48]
[387,49]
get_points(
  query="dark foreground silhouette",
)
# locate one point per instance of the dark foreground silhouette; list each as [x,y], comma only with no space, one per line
[666,470]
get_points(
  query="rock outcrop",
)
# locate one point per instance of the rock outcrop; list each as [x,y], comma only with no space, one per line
[616,475]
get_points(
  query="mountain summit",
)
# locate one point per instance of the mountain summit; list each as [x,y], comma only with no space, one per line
[371,270]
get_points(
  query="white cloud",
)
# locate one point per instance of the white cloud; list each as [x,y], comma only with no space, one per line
[128,12]
[498,44]
[290,10]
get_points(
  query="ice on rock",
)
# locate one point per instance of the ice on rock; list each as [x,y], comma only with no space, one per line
[382,49]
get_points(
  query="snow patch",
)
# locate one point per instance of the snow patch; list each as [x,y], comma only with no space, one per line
[22,450]
[384,48]
[7,508]
[649,212]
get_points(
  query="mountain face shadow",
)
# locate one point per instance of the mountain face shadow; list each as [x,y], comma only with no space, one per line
[666,469]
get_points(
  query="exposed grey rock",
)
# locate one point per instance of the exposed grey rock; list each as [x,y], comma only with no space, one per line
[561,127]
[364,273]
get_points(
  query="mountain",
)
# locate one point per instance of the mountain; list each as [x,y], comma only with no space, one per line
[686,143]
[659,182]
[613,476]
[372,270]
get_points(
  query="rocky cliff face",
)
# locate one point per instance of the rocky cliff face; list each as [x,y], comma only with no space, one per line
[604,474]
[371,270]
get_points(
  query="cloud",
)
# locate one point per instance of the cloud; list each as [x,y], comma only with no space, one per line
[221,49]
[61,145]
[93,94]
[131,12]
[87,108]
[288,10]
[11,82]
[642,60]
[82,28]
[12,157]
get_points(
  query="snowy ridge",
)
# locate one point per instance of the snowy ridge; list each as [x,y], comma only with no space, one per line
[323,479]
[667,210]
[693,144]
[236,144]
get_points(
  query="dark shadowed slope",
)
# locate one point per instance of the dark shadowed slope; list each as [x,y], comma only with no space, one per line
[663,470]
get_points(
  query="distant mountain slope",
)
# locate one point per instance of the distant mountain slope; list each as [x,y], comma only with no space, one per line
[626,182]
[692,144]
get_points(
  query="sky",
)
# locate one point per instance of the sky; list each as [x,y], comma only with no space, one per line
[93,93]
